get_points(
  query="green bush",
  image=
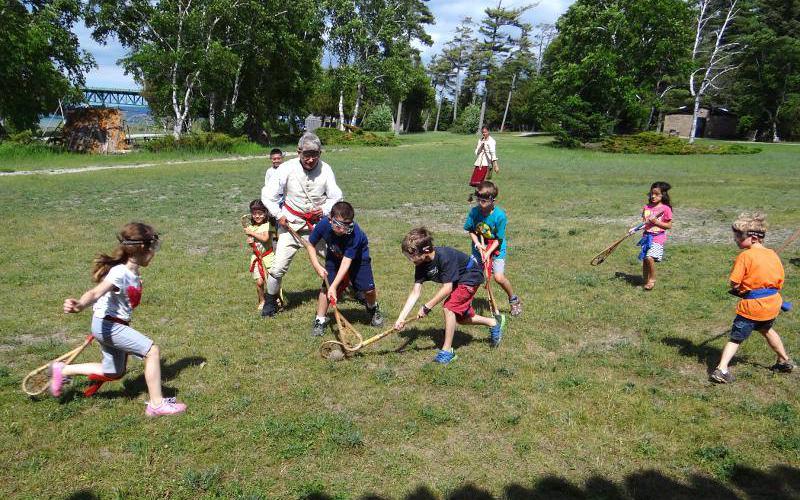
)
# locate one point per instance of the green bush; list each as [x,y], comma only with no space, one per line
[379,119]
[468,120]
[206,142]
[580,124]
[661,144]
[24,137]
[354,137]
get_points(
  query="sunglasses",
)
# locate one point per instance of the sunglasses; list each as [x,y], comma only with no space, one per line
[347,226]
[310,154]
[483,198]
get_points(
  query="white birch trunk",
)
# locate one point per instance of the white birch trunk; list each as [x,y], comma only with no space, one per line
[438,110]
[508,101]
[341,110]
[357,107]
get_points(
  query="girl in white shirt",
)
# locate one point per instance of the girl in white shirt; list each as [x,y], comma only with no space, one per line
[117,294]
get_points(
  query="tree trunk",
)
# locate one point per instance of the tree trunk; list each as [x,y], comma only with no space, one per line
[341,110]
[483,113]
[438,110]
[775,137]
[212,114]
[508,101]
[398,128]
[693,131]
[455,101]
[357,106]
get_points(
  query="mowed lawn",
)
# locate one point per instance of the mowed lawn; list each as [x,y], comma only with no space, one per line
[598,390]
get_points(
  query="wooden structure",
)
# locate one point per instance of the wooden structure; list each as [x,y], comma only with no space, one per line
[712,123]
[94,130]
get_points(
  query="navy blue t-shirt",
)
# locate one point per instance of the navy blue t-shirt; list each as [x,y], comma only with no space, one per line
[450,266]
[354,246]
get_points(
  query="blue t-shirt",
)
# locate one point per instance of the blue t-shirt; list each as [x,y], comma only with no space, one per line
[492,226]
[450,266]
[354,246]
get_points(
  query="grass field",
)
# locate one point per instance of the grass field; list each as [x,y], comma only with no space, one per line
[599,389]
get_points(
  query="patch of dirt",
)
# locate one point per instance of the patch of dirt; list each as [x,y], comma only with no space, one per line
[197,251]
[439,217]
[30,339]
[596,342]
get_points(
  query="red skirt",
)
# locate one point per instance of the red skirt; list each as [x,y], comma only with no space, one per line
[478,175]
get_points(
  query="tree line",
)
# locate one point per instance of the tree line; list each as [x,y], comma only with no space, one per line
[256,67]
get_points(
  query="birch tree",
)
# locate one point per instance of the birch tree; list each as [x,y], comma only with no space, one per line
[713,55]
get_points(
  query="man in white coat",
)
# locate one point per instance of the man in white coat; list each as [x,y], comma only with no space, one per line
[308,189]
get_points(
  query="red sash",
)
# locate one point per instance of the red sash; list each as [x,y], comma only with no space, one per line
[310,219]
[257,260]
[478,175]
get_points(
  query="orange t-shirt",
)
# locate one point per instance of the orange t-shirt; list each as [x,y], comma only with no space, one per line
[758,268]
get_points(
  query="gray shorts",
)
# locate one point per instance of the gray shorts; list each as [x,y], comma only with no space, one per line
[498,266]
[117,341]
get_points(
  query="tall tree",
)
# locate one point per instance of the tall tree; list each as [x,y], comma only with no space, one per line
[498,41]
[458,52]
[767,82]
[714,54]
[609,58]
[40,60]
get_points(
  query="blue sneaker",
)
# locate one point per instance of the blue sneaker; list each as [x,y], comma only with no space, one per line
[445,357]
[496,332]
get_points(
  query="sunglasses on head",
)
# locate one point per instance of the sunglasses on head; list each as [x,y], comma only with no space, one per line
[347,226]
[153,244]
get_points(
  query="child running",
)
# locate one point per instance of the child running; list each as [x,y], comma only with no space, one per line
[347,262]
[260,239]
[657,216]
[757,277]
[117,294]
[460,276]
[486,225]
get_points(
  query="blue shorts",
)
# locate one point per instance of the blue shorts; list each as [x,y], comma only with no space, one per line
[743,327]
[360,273]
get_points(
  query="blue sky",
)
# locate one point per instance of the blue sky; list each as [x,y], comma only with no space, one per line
[448,15]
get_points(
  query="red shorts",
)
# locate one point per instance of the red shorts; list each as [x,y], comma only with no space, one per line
[460,301]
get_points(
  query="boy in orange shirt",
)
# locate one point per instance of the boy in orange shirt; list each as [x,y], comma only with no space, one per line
[757,278]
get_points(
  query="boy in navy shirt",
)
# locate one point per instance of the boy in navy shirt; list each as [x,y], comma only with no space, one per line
[460,276]
[347,262]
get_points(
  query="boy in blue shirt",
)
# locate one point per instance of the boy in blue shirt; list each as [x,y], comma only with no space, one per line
[486,225]
[460,276]
[347,262]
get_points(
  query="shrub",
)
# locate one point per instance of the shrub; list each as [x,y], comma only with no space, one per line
[24,137]
[468,120]
[334,137]
[206,142]
[379,119]
[579,123]
[656,143]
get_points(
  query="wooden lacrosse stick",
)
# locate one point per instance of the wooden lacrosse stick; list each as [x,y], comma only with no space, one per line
[347,333]
[599,258]
[36,382]
[487,274]
[331,345]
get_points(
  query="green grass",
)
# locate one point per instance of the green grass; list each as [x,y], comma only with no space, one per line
[599,390]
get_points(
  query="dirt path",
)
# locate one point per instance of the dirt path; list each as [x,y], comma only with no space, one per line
[92,168]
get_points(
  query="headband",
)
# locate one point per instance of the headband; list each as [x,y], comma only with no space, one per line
[349,227]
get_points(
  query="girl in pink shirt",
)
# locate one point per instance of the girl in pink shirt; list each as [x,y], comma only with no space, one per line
[657,218]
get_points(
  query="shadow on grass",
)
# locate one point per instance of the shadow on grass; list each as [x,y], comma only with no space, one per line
[411,334]
[779,483]
[132,388]
[296,299]
[795,261]
[706,353]
[632,279]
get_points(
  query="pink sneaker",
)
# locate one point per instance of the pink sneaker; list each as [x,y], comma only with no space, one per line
[56,378]
[168,406]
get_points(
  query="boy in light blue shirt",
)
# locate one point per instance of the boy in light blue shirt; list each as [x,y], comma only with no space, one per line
[486,225]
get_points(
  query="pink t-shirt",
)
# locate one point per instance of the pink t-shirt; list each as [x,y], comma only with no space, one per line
[659,234]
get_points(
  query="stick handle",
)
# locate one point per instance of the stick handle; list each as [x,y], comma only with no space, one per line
[386,333]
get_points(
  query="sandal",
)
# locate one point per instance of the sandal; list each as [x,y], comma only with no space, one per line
[649,285]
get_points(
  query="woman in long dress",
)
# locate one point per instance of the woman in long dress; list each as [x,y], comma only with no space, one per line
[486,158]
